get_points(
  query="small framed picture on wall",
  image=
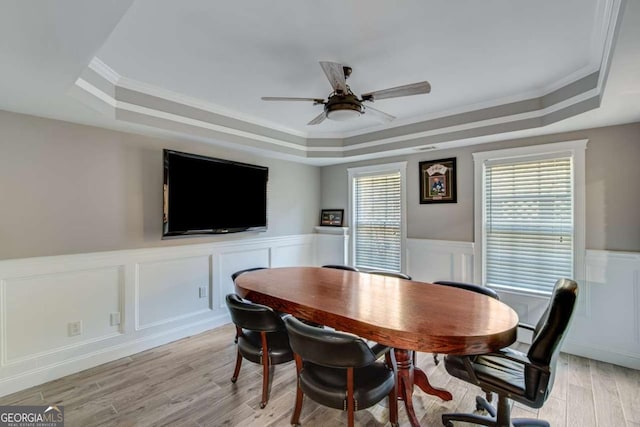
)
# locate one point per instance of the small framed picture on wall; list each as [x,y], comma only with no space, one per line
[438,181]
[331,217]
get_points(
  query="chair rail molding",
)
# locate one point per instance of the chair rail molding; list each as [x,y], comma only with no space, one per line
[131,300]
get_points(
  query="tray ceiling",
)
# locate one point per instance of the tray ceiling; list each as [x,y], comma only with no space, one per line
[199,68]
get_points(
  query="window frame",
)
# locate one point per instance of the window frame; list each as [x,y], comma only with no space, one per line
[381,169]
[573,149]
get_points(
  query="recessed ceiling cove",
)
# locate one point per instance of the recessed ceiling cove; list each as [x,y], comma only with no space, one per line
[201,68]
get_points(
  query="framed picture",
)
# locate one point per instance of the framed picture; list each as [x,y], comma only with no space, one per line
[331,217]
[438,181]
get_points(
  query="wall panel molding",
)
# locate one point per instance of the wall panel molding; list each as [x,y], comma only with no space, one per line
[155,290]
[613,284]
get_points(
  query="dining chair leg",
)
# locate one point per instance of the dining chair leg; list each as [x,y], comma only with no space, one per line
[350,402]
[295,418]
[265,371]
[236,371]
[393,408]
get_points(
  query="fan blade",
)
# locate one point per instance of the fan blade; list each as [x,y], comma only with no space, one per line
[318,119]
[394,92]
[282,98]
[335,74]
[381,116]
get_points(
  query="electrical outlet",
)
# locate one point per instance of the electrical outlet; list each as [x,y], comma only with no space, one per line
[114,318]
[203,291]
[75,328]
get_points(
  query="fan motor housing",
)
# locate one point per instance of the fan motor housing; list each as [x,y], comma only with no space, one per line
[347,102]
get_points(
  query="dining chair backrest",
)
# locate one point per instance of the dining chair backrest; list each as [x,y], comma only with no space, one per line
[328,347]
[235,275]
[551,329]
[255,317]
[395,274]
[341,267]
[469,287]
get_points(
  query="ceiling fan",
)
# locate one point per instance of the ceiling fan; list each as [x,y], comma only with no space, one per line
[342,104]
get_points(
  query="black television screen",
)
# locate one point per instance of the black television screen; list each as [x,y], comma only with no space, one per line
[204,195]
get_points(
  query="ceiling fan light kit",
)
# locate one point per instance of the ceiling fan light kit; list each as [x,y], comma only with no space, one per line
[343,105]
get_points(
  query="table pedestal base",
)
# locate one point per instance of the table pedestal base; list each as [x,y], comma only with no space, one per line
[407,376]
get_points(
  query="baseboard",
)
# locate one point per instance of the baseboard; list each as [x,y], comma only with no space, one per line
[608,354]
[43,374]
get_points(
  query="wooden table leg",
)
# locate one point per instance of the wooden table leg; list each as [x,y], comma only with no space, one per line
[407,376]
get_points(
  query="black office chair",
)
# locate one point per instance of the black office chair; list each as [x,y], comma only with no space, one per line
[468,287]
[339,370]
[341,267]
[395,274]
[525,378]
[261,337]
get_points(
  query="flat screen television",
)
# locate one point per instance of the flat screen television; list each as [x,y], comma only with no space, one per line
[205,195]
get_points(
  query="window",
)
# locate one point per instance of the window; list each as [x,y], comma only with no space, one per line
[531,204]
[377,200]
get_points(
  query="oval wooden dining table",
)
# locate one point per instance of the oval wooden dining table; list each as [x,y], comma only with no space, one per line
[404,314]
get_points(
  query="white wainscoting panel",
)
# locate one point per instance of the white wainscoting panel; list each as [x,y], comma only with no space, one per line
[294,253]
[431,260]
[232,261]
[37,311]
[155,290]
[169,289]
[608,328]
[332,245]
[160,288]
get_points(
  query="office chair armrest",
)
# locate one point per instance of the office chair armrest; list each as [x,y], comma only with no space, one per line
[527,326]
[519,357]
[468,364]
[513,355]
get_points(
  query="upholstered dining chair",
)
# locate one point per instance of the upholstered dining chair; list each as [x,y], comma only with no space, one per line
[339,370]
[468,287]
[526,378]
[261,337]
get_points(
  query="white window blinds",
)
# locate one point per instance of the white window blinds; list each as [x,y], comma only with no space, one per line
[529,224]
[378,221]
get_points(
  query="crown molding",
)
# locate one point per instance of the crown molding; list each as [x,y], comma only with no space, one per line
[147,105]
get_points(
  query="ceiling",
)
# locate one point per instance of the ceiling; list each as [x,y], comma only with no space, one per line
[198,68]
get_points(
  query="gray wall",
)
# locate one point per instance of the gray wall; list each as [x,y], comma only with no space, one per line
[612,188]
[67,188]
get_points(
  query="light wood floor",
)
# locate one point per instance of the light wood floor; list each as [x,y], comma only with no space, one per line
[186,383]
